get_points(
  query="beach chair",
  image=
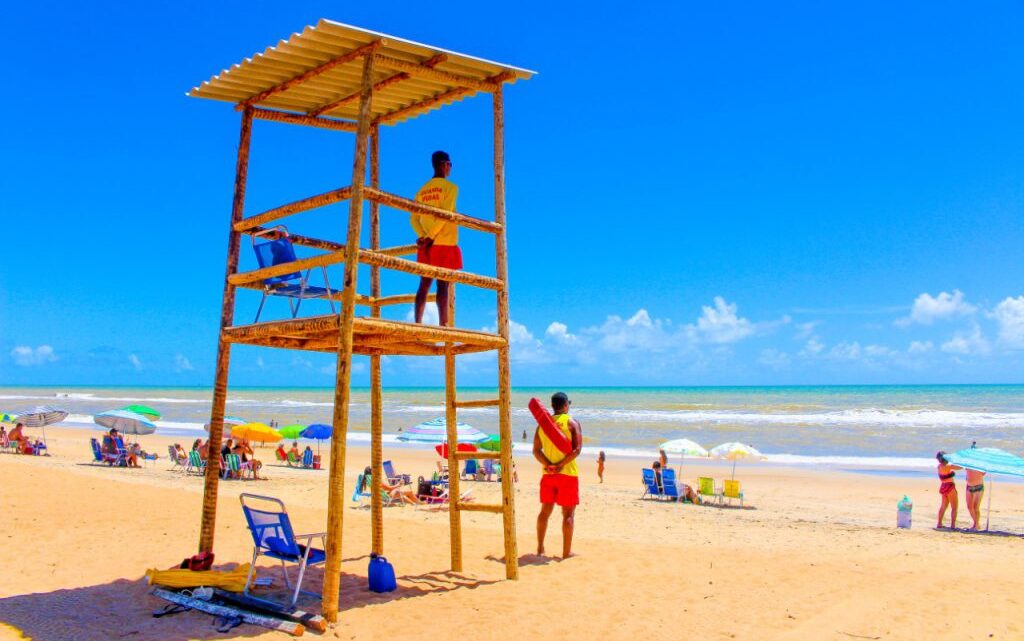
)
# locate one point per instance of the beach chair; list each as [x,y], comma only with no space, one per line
[196,465]
[706,489]
[469,472]
[307,459]
[489,469]
[650,484]
[273,536]
[5,443]
[731,490]
[177,463]
[669,489]
[294,286]
[359,496]
[392,477]
[99,456]
[122,452]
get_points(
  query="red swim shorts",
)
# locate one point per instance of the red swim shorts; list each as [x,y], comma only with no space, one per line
[447,256]
[560,488]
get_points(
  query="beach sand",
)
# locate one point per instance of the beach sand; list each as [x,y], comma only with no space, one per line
[814,556]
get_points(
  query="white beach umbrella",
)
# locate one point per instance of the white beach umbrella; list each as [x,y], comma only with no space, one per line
[125,422]
[41,416]
[684,447]
[735,451]
[229,422]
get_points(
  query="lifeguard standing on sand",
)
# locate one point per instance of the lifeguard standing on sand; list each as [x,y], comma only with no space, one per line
[437,241]
[560,482]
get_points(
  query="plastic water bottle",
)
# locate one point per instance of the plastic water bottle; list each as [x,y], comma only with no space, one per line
[903,511]
[381,575]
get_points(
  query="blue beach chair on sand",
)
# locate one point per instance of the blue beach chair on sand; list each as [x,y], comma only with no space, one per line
[307,459]
[392,476]
[273,536]
[669,488]
[650,484]
[294,286]
[99,456]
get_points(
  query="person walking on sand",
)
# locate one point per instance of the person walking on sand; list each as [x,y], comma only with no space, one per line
[600,466]
[560,481]
[975,490]
[437,241]
[947,489]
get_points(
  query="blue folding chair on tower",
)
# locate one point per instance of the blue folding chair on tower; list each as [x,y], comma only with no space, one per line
[650,484]
[272,536]
[277,249]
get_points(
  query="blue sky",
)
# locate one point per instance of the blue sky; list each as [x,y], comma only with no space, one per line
[725,193]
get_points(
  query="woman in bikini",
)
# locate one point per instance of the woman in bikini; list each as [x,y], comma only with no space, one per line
[975,490]
[947,489]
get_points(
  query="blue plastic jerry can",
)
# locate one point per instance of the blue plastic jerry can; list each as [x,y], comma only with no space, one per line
[381,575]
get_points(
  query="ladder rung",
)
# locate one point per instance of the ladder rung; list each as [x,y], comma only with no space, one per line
[491,402]
[479,507]
[465,456]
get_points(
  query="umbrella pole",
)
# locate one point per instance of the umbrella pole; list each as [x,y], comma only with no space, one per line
[733,470]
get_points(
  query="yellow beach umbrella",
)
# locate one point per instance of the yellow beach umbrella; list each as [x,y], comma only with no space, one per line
[256,432]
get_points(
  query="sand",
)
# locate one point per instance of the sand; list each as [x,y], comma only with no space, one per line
[815,555]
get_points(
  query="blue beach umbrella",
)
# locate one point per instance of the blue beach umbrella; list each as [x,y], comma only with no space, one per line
[319,431]
[436,431]
[990,460]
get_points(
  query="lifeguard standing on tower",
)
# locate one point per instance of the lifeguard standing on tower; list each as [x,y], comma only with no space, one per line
[437,241]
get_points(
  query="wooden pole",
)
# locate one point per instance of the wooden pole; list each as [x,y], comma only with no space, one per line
[376,393]
[504,368]
[336,486]
[451,420]
[227,316]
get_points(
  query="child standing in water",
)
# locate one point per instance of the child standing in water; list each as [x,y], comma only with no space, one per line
[600,466]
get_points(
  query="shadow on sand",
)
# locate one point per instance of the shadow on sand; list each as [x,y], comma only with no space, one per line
[123,609]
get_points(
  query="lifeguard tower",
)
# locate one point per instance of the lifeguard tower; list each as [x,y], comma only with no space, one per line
[334,76]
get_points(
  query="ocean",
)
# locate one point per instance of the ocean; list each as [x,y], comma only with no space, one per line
[886,426]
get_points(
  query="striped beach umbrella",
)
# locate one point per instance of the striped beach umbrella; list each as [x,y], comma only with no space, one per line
[125,422]
[41,416]
[436,431]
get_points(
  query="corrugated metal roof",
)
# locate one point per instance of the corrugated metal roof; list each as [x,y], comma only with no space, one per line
[318,72]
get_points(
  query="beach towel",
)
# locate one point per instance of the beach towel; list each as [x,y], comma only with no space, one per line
[555,435]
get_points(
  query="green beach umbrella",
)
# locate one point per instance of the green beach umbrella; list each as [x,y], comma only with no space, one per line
[145,410]
[492,444]
[291,431]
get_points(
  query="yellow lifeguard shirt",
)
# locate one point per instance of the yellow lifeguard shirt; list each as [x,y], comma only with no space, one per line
[440,193]
[554,454]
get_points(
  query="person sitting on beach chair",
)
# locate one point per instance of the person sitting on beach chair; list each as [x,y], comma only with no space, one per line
[395,490]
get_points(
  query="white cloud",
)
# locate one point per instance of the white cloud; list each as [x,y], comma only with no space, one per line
[135,361]
[429,315]
[182,364]
[805,330]
[967,343]
[26,356]
[813,347]
[920,347]
[1010,316]
[259,363]
[845,351]
[928,309]
[773,358]
[559,333]
[720,324]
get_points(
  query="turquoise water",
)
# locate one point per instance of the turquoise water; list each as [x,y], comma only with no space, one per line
[891,425]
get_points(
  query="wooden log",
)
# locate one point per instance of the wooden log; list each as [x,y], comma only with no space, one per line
[399,250]
[305,241]
[504,367]
[336,486]
[335,295]
[227,314]
[462,506]
[399,330]
[300,119]
[420,269]
[451,423]
[262,620]
[312,73]
[320,200]
[376,398]
[401,299]
[436,75]
[413,207]
[383,84]
[490,402]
